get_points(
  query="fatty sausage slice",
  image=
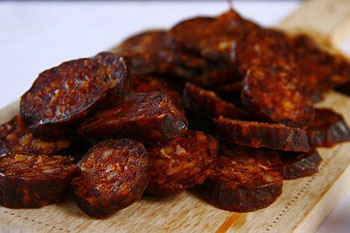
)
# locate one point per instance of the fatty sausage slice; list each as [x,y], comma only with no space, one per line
[327,129]
[244,179]
[34,181]
[65,94]
[15,138]
[257,135]
[203,102]
[297,165]
[112,175]
[147,117]
[181,163]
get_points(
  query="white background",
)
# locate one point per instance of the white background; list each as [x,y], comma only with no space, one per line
[35,36]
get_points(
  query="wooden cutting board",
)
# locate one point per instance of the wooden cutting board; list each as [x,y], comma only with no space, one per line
[301,208]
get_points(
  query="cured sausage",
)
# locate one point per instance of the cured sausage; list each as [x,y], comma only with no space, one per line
[273,93]
[212,38]
[244,179]
[327,129]
[297,165]
[321,70]
[149,83]
[112,175]
[34,181]
[256,134]
[203,102]
[147,117]
[181,163]
[65,94]
[15,138]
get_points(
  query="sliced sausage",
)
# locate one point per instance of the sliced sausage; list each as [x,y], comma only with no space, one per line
[181,163]
[244,179]
[34,181]
[297,165]
[207,103]
[256,134]
[15,138]
[327,129]
[273,93]
[112,175]
[147,117]
[65,94]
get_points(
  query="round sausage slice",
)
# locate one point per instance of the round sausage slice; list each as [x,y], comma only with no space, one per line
[327,129]
[147,117]
[16,138]
[297,165]
[257,135]
[65,94]
[113,175]
[244,179]
[34,181]
[181,163]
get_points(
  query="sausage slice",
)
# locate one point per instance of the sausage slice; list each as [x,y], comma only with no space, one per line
[297,165]
[15,138]
[147,117]
[244,179]
[65,94]
[34,181]
[181,163]
[112,175]
[327,129]
[256,134]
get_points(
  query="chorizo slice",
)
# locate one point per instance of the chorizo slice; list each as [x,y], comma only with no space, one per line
[203,102]
[257,135]
[15,138]
[327,129]
[149,83]
[244,179]
[273,93]
[297,165]
[321,70]
[181,163]
[34,181]
[147,117]
[63,95]
[113,174]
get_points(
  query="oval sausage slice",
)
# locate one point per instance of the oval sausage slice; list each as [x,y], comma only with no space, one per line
[113,175]
[34,181]
[65,94]
[244,179]
[181,163]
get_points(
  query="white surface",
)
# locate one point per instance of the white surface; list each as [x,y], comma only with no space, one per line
[37,36]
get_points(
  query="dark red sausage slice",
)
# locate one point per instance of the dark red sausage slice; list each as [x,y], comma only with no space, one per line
[203,102]
[297,165]
[113,175]
[327,129]
[147,117]
[34,181]
[274,94]
[65,94]
[244,179]
[181,163]
[256,134]
[149,83]
[321,70]
[15,138]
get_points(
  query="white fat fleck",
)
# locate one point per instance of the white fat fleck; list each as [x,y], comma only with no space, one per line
[179,150]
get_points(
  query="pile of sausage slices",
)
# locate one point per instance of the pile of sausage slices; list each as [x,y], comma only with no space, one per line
[216,104]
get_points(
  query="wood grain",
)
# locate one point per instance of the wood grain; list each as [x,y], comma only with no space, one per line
[301,208]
